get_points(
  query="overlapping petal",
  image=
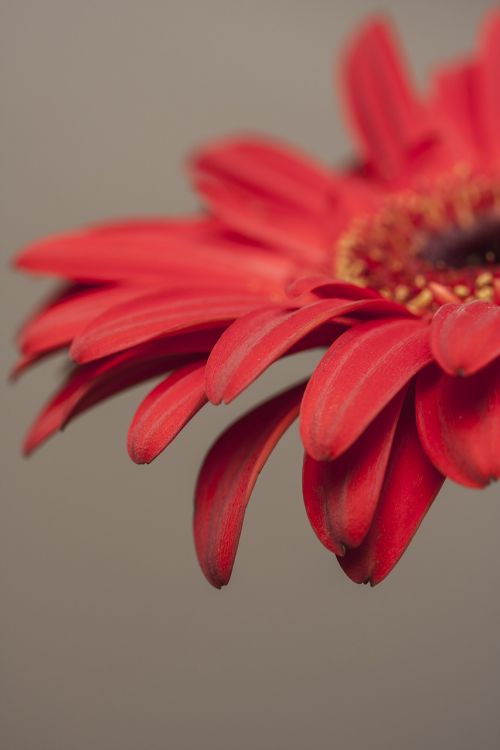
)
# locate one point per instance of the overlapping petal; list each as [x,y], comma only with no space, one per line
[387,115]
[326,286]
[256,340]
[227,478]
[96,381]
[457,101]
[341,496]
[410,486]
[465,338]
[160,257]
[400,399]
[62,319]
[299,236]
[266,169]
[459,423]
[361,372]
[165,411]
[488,76]
[154,315]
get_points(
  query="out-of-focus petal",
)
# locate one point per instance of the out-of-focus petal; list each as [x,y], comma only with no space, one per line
[155,257]
[304,238]
[386,113]
[269,170]
[456,94]
[96,381]
[64,318]
[488,77]
[26,361]
[459,423]
[153,315]
[228,476]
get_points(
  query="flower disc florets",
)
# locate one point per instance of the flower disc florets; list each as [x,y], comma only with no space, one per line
[428,247]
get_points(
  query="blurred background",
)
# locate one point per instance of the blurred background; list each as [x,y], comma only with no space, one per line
[110,638]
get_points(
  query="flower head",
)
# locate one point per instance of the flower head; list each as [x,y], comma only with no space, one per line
[391,266]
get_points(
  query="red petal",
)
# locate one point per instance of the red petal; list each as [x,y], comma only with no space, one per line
[410,486]
[302,237]
[161,256]
[80,384]
[26,361]
[387,115]
[269,170]
[165,411]
[155,315]
[97,381]
[489,75]
[361,372]
[255,341]
[465,338]
[324,286]
[459,423]
[62,319]
[227,478]
[189,226]
[341,496]
[457,100]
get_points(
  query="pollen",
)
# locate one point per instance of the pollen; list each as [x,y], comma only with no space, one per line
[430,246]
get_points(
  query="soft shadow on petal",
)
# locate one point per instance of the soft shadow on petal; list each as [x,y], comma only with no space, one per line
[410,486]
[459,423]
[341,496]
[228,476]
[165,411]
[361,372]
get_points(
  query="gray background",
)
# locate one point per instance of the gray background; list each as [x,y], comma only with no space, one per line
[110,638]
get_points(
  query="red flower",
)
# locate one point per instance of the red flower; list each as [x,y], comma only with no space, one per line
[394,265]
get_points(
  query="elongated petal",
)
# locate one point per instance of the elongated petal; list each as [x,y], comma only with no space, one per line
[96,381]
[194,227]
[227,479]
[410,486]
[302,237]
[467,95]
[255,341]
[60,321]
[151,256]
[361,372]
[341,496]
[388,117]
[155,315]
[165,411]
[459,423]
[268,169]
[465,338]
[117,375]
[457,101]
[26,361]
[489,75]
[67,314]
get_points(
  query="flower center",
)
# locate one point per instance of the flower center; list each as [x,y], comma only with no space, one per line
[427,248]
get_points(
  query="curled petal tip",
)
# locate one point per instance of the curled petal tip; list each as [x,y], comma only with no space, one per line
[166,411]
[227,479]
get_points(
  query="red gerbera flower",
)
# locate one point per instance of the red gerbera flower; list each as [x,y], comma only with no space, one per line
[393,266]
